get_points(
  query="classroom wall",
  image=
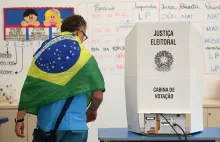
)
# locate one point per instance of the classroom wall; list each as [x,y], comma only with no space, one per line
[108,25]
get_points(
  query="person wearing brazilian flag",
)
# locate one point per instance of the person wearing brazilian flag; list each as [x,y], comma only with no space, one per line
[61,68]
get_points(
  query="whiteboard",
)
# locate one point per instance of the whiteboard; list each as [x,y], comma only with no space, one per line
[108,24]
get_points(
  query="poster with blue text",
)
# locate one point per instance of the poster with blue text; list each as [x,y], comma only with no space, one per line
[34,23]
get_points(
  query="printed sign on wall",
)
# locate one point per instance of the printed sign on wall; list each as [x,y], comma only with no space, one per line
[31,23]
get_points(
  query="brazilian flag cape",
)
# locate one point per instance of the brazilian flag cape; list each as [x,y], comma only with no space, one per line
[62,67]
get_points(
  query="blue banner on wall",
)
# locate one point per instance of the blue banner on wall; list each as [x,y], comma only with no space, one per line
[31,23]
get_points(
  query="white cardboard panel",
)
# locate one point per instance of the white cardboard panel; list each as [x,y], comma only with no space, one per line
[131,104]
[151,56]
[173,91]
[174,96]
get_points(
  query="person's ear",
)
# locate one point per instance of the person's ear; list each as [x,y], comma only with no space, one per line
[80,30]
[76,33]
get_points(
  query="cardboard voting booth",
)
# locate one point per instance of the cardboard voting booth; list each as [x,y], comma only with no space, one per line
[164,66]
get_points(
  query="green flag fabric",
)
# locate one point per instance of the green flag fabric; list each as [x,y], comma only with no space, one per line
[62,67]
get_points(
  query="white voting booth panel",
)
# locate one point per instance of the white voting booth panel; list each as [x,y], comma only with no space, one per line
[164,69]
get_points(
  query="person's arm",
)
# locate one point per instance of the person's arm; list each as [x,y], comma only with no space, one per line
[21,114]
[97,97]
[19,125]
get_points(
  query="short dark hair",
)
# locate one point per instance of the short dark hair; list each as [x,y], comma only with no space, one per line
[73,23]
[29,12]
